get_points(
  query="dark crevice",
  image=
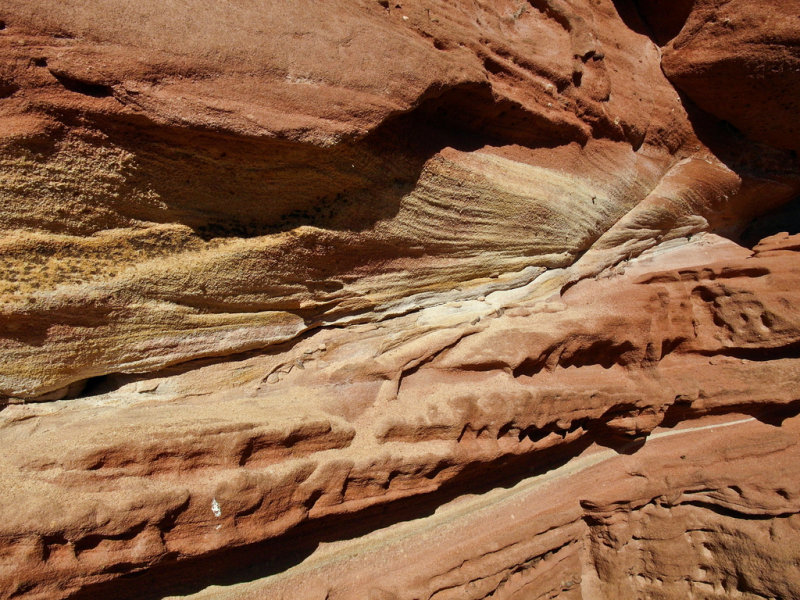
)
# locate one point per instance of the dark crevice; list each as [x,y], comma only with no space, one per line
[95,90]
[551,9]
[95,386]
[668,346]
[706,274]
[772,414]
[775,415]
[628,11]
[91,542]
[485,367]
[537,434]
[88,388]
[247,451]
[747,157]
[729,511]
[605,353]
[762,354]
[660,20]
[171,517]
[784,219]
[7,88]
[50,542]
[770,179]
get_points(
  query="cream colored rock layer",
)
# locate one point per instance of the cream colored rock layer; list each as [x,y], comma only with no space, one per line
[197,462]
[140,298]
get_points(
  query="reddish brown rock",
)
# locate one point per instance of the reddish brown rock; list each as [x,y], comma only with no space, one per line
[739,61]
[397,300]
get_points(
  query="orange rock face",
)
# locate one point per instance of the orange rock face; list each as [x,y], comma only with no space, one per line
[740,62]
[399,300]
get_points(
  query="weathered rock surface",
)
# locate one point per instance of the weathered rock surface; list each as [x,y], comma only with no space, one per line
[740,61]
[378,300]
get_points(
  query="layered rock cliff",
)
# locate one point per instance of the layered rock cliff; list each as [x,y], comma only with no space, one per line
[388,300]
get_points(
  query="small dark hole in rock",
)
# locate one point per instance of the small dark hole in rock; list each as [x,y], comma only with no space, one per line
[784,219]
[7,88]
[95,90]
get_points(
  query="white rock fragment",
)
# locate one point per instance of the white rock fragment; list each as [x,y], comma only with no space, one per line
[146,387]
[215,508]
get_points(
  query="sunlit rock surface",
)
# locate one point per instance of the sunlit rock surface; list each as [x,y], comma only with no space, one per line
[362,299]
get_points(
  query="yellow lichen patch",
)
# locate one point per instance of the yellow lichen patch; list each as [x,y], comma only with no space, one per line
[73,186]
[31,262]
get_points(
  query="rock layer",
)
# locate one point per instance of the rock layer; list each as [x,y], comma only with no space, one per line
[413,300]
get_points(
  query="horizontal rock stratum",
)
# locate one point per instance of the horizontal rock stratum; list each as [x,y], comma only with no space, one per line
[400,300]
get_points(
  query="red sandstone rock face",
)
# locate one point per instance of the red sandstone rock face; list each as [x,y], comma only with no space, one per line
[739,61]
[399,300]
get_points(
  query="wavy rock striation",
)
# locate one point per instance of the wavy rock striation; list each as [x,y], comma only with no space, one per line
[364,299]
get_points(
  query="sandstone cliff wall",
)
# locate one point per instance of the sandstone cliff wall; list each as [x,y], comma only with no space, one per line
[388,300]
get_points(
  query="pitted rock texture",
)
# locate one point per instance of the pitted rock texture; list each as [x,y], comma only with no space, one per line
[740,61]
[423,299]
